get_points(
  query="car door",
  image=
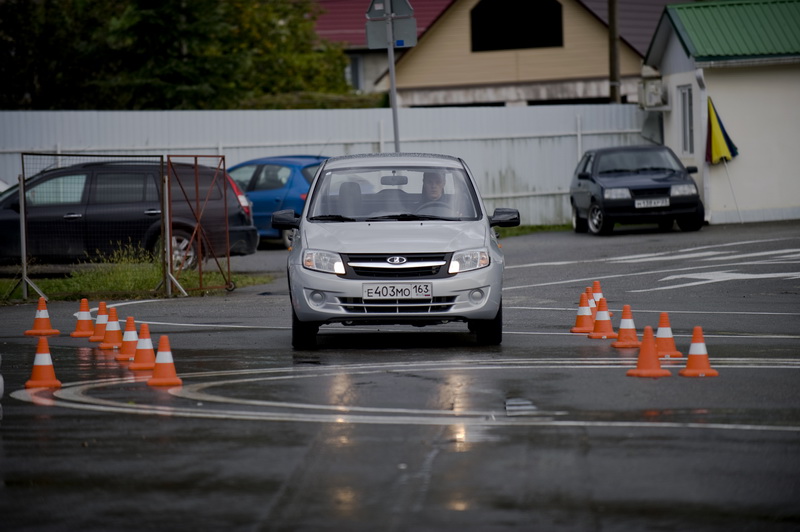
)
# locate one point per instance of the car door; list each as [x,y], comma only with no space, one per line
[582,188]
[123,208]
[267,191]
[55,212]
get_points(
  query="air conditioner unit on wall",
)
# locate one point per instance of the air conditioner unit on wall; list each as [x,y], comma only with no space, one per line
[652,94]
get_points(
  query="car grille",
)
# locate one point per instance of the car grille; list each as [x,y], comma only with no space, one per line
[650,192]
[357,305]
[377,266]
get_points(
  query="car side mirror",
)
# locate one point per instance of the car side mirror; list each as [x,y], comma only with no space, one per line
[691,169]
[287,219]
[504,218]
[584,175]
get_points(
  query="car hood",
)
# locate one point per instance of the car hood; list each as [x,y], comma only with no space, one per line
[648,179]
[395,237]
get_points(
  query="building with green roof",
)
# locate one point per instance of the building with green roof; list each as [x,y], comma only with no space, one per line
[744,56]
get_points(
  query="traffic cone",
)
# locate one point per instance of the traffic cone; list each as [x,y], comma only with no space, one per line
[602,323]
[164,371]
[665,343]
[84,327]
[597,292]
[113,336]
[145,357]
[592,304]
[129,342]
[41,322]
[583,321]
[697,364]
[627,330]
[100,323]
[43,374]
[648,365]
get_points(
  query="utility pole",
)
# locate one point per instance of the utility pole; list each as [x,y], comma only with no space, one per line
[613,53]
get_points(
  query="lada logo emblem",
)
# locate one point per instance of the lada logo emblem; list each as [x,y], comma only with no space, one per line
[396,260]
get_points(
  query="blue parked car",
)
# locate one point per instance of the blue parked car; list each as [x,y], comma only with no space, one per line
[274,184]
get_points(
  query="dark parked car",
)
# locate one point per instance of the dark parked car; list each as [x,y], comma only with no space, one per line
[274,184]
[634,185]
[92,209]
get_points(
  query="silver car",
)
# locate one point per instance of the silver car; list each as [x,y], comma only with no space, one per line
[395,239]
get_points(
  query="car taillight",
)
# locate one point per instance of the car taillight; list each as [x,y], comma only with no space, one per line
[303,196]
[243,201]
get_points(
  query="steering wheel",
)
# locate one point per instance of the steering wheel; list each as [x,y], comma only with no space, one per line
[433,207]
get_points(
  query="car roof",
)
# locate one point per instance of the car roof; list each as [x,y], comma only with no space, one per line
[293,160]
[388,159]
[617,149]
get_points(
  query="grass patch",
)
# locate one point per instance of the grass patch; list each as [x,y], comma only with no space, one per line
[127,273]
[507,232]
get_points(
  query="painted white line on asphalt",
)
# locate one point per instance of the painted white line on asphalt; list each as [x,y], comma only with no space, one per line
[659,311]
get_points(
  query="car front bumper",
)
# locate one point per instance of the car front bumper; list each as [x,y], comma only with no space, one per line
[328,298]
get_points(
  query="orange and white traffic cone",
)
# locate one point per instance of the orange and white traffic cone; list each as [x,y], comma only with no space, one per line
[164,371]
[626,334]
[592,304]
[43,374]
[41,322]
[665,343]
[597,292]
[84,327]
[145,358]
[583,321]
[113,336]
[100,323]
[648,365]
[129,342]
[602,323]
[697,364]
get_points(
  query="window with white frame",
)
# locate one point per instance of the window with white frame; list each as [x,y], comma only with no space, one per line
[687,119]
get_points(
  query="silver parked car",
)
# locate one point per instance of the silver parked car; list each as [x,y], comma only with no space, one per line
[395,239]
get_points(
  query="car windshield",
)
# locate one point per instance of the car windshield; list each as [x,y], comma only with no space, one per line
[636,161]
[393,194]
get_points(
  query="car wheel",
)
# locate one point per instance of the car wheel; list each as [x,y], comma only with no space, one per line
[304,333]
[184,250]
[489,332]
[599,223]
[579,225]
[693,222]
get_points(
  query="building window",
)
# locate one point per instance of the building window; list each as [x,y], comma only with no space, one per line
[687,119]
[515,25]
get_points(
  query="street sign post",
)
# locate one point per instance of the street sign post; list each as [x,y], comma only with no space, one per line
[391,24]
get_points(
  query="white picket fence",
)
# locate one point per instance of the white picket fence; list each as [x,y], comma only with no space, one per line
[522,157]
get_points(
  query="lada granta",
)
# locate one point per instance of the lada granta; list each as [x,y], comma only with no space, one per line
[395,239]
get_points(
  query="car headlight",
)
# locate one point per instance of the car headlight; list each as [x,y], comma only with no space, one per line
[473,259]
[616,193]
[683,190]
[323,261]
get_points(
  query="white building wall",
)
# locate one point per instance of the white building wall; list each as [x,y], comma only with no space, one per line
[760,108]
[522,157]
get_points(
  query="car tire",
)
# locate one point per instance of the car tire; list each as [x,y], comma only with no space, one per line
[489,332]
[692,222]
[184,250]
[579,225]
[599,223]
[304,333]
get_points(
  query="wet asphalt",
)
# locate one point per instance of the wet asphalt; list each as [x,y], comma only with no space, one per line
[420,429]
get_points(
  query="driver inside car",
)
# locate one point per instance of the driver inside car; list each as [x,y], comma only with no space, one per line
[432,187]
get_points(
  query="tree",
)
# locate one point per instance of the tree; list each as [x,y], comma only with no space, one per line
[162,54]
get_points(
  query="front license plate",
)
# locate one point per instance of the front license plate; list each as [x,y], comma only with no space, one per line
[397,290]
[646,203]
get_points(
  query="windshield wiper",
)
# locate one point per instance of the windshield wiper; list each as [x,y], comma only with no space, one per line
[332,218]
[409,217]
[656,169]
[616,171]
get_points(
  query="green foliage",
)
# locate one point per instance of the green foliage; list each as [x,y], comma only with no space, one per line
[507,232]
[162,54]
[127,273]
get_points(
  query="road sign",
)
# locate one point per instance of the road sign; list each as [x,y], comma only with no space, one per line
[404,33]
[377,9]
